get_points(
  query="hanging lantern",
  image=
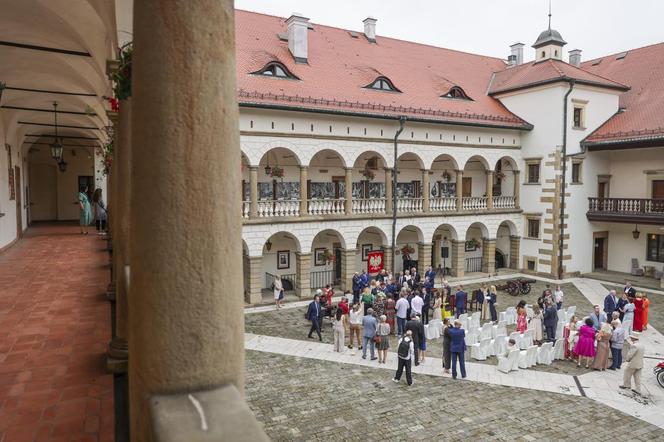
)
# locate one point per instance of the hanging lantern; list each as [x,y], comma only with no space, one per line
[635,232]
[62,165]
[56,146]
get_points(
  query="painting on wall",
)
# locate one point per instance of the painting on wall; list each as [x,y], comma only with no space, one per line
[283,259]
[321,190]
[288,190]
[442,189]
[366,248]
[319,257]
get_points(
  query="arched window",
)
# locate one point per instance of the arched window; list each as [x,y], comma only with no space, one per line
[275,69]
[382,84]
[457,93]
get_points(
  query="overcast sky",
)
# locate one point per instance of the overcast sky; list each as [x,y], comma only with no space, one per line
[488,27]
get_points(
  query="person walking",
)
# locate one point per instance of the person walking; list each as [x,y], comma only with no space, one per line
[313,315]
[460,301]
[634,360]
[617,341]
[339,329]
[402,312]
[550,321]
[458,349]
[278,291]
[369,325]
[383,334]
[414,327]
[99,209]
[355,319]
[447,340]
[405,352]
[493,299]
[85,213]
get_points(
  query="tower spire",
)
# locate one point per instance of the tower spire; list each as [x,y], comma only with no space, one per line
[549,15]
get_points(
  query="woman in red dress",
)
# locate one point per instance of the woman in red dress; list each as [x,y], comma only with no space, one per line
[390,312]
[638,313]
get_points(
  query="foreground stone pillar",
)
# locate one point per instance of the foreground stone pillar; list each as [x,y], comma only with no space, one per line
[118,349]
[426,191]
[435,253]
[186,327]
[517,188]
[423,257]
[254,293]
[253,192]
[348,257]
[459,189]
[304,194]
[388,191]
[389,259]
[348,191]
[489,189]
[458,255]
[489,256]
[515,251]
[110,220]
[303,274]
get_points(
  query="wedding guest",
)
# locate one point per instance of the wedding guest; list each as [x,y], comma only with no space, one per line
[493,299]
[601,361]
[460,301]
[634,361]
[314,315]
[558,296]
[369,326]
[379,305]
[483,302]
[339,329]
[391,312]
[405,353]
[355,326]
[521,322]
[620,306]
[598,317]
[629,290]
[628,316]
[437,303]
[646,307]
[637,325]
[367,299]
[458,349]
[383,332]
[570,338]
[610,303]
[585,346]
[536,325]
[447,339]
[550,321]
[617,341]
[402,312]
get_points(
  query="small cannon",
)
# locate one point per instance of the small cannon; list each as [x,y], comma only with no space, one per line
[517,286]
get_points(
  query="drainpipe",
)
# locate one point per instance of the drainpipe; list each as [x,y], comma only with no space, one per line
[402,121]
[561,240]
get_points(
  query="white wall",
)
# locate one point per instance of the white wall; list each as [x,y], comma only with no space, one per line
[623,247]
[8,231]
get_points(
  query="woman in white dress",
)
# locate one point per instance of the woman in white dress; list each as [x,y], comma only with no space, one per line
[536,325]
[278,291]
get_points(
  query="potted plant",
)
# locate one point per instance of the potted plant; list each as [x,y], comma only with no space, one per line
[446,176]
[473,243]
[122,75]
[276,172]
[328,256]
[368,174]
[407,250]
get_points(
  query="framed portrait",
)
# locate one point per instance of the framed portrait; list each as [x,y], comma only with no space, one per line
[470,246]
[283,259]
[319,257]
[366,248]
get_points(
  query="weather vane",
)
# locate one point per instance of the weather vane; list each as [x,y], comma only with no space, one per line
[549,15]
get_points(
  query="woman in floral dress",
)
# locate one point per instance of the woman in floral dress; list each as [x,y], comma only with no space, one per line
[521,321]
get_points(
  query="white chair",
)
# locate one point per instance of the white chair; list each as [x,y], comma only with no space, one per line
[500,329]
[545,354]
[527,339]
[474,321]
[559,329]
[562,316]
[509,362]
[502,317]
[517,339]
[559,349]
[528,358]
[463,318]
[471,338]
[529,312]
[499,345]
[431,332]
[510,315]
[481,350]
[570,311]
[438,324]
[486,331]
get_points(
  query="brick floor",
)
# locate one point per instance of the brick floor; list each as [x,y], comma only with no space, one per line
[54,327]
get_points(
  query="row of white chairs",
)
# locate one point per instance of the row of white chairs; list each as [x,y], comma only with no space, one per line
[546,354]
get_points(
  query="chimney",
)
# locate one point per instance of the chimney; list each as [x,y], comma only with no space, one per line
[370,29]
[298,26]
[575,57]
[516,56]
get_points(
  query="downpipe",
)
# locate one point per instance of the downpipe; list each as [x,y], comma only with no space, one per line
[402,121]
[561,240]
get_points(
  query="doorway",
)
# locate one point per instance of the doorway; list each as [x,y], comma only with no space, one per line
[43,194]
[88,182]
[600,250]
[19,202]
[658,189]
[466,187]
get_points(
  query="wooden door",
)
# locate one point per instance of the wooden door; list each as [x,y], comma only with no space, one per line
[601,190]
[19,202]
[43,196]
[600,244]
[658,189]
[466,187]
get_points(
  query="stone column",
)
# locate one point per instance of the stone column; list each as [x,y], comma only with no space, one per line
[489,189]
[459,189]
[348,203]
[489,255]
[253,191]
[304,195]
[515,251]
[254,293]
[388,190]
[186,327]
[303,274]
[435,253]
[517,188]
[118,348]
[389,259]
[348,267]
[458,255]
[425,190]
[110,288]
[423,257]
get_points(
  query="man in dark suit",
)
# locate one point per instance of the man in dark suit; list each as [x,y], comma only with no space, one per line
[460,301]
[550,321]
[610,303]
[426,296]
[629,290]
[417,329]
[458,348]
[313,315]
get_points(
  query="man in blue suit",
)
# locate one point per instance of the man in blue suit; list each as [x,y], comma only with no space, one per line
[550,321]
[610,303]
[313,315]
[458,348]
[460,302]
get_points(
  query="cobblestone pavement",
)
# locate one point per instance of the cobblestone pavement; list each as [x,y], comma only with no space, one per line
[305,399]
[290,323]
[655,311]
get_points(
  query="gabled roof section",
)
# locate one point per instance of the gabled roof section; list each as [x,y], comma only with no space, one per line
[549,71]
[641,119]
[339,66]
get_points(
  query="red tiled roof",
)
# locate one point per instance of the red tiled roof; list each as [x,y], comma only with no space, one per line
[545,72]
[339,66]
[643,116]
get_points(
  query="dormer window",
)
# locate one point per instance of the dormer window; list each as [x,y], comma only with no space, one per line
[457,93]
[274,69]
[382,84]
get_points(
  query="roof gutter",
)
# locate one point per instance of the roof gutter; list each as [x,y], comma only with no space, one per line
[402,121]
[561,240]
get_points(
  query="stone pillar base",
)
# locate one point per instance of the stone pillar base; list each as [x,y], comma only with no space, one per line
[515,247]
[110,291]
[254,293]
[458,266]
[489,256]
[347,268]
[117,356]
[303,276]
[423,257]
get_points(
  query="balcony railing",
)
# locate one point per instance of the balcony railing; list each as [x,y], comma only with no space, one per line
[445,204]
[369,205]
[504,202]
[644,210]
[326,206]
[474,264]
[270,208]
[409,204]
[474,202]
[246,209]
[319,280]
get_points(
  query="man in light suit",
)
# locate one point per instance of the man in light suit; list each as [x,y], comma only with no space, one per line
[550,321]
[610,303]
[314,315]
[634,364]
[598,317]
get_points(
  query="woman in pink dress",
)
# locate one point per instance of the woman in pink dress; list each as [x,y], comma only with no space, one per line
[585,347]
[521,321]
